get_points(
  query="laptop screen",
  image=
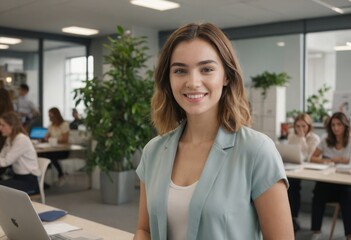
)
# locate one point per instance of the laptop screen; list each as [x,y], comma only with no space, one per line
[38,133]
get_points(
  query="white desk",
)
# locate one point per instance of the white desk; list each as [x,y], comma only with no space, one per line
[329,175]
[45,147]
[108,233]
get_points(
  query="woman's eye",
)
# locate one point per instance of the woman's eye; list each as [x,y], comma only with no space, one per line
[207,69]
[179,71]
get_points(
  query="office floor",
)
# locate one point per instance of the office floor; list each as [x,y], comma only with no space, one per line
[78,201]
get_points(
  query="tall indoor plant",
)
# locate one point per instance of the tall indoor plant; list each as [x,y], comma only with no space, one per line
[267,79]
[117,110]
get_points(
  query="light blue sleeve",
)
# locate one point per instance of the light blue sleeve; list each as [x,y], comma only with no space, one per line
[268,168]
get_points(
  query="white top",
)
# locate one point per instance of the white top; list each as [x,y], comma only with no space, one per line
[26,106]
[330,152]
[57,131]
[308,143]
[21,155]
[177,211]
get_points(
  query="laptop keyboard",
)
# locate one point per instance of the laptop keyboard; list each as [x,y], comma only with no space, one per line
[59,237]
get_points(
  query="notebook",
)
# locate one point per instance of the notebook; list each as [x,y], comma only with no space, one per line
[38,133]
[19,220]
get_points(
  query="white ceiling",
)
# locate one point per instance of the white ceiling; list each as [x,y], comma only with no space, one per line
[52,15]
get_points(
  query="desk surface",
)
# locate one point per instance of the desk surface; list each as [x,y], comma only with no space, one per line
[45,147]
[108,233]
[327,175]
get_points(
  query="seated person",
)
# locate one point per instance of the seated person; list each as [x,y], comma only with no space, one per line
[58,129]
[335,148]
[308,141]
[19,152]
[77,120]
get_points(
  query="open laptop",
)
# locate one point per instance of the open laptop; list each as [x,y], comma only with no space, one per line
[291,155]
[38,133]
[19,220]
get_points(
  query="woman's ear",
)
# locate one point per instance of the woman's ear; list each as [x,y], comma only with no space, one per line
[225,82]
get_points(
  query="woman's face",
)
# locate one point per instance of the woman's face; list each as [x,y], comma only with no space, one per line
[5,128]
[197,77]
[337,127]
[51,116]
[301,127]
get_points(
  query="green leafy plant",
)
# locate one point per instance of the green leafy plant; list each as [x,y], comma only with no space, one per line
[293,113]
[117,109]
[266,80]
[316,104]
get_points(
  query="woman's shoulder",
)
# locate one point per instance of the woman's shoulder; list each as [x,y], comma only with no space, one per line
[22,138]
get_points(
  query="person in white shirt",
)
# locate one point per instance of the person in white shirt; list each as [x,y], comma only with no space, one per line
[25,107]
[19,153]
[335,148]
[308,141]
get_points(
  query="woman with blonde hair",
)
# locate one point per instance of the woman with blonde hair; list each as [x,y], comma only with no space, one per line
[308,141]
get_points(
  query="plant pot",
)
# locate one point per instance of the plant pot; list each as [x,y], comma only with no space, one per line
[117,187]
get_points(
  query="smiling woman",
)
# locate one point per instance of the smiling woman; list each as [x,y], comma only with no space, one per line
[204,150]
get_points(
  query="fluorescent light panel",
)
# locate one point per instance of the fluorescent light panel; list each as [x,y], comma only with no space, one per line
[343,48]
[80,31]
[7,40]
[160,5]
[3,46]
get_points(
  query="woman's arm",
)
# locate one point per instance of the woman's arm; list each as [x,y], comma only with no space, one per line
[274,213]
[64,138]
[143,229]
[315,158]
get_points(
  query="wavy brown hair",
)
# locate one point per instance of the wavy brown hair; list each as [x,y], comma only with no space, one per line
[233,105]
[331,138]
[13,119]
[57,118]
[306,118]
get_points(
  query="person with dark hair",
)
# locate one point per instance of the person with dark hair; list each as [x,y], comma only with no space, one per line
[6,105]
[76,120]
[208,175]
[335,148]
[308,141]
[58,131]
[19,153]
[25,107]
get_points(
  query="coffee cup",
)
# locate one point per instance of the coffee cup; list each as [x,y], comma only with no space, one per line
[53,141]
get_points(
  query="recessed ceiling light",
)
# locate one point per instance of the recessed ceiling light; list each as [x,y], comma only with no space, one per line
[7,40]
[336,9]
[281,44]
[3,46]
[160,5]
[348,43]
[343,48]
[80,31]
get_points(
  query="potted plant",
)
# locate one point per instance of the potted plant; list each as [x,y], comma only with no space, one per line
[266,80]
[316,104]
[117,114]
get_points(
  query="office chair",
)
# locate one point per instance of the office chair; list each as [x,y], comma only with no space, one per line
[43,166]
[336,206]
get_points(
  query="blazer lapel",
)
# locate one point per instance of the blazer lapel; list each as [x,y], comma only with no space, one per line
[167,158]
[214,164]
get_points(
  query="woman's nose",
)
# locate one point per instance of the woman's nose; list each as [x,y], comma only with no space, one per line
[194,80]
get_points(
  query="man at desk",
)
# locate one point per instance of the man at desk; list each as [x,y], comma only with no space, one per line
[58,132]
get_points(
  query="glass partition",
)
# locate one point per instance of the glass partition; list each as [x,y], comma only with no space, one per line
[19,63]
[328,58]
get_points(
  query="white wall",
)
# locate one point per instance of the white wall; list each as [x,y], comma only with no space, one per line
[262,54]
[54,79]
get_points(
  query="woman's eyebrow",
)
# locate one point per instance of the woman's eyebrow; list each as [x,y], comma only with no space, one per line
[204,62]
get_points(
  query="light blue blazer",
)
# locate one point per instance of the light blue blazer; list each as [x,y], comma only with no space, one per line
[240,167]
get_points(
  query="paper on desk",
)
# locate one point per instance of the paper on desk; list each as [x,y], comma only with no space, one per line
[59,227]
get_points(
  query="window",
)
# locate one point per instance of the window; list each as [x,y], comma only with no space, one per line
[74,77]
